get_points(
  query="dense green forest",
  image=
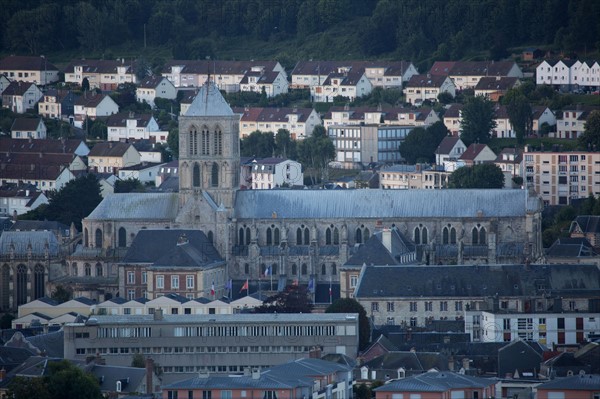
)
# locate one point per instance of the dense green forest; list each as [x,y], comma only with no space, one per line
[289,30]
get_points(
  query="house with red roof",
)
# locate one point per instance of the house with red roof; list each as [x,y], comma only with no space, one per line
[428,87]
[495,87]
[21,96]
[476,154]
[28,128]
[30,69]
[92,106]
[300,122]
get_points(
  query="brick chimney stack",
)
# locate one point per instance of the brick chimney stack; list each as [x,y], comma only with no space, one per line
[149,375]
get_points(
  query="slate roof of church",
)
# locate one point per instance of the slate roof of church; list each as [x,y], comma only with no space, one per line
[436,382]
[152,206]
[22,239]
[160,247]
[209,102]
[353,204]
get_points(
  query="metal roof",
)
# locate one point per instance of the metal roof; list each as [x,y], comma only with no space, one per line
[209,102]
[150,206]
[374,203]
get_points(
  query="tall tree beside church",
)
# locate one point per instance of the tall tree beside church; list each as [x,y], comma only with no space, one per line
[420,144]
[315,152]
[477,120]
[519,114]
[486,175]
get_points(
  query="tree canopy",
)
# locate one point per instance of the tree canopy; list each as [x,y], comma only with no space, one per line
[349,305]
[590,139]
[420,144]
[486,175]
[71,204]
[293,299]
[520,114]
[315,152]
[477,120]
[408,29]
[63,381]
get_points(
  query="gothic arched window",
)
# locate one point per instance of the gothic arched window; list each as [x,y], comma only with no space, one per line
[204,147]
[193,141]
[21,284]
[214,176]
[196,176]
[98,240]
[218,141]
[294,269]
[86,242]
[122,237]
[5,287]
[304,269]
[99,269]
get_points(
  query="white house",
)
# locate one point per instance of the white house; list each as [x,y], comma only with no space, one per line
[17,201]
[451,148]
[92,106]
[155,86]
[106,75]
[128,125]
[109,157]
[504,128]
[467,74]
[28,128]
[345,82]
[572,123]
[300,122]
[273,82]
[587,74]
[541,115]
[4,82]
[452,118]
[555,73]
[20,96]
[144,172]
[427,87]
[270,173]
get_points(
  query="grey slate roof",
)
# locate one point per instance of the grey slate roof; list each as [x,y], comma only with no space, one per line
[22,240]
[435,382]
[160,247]
[353,204]
[152,206]
[571,247]
[576,383]
[476,281]
[209,102]
[216,382]
[50,344]
[414,361]
[131,377]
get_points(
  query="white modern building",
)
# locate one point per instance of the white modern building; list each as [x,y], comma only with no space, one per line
[271,173]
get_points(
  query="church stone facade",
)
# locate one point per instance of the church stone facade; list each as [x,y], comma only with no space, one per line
[309,234]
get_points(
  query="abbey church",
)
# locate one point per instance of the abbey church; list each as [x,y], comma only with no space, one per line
[301,235]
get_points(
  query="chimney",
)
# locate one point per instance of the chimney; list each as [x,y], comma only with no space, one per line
[27,193]
[2,374]
[149,375]
[451,363]
[315,352]
[386,239]
[158,314]
[255,374]
[465,363]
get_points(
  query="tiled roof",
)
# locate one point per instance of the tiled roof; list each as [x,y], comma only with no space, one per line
[26,124]
[39,145]
[215,67]
[17,88]
[131,378]
[482,68]
[267,77]
[426,81]
[150,82]
[472,152]
[154,206]
[26,63]
[476,281]
[38,225]
[538,110]
[442,67]
[90,100]
[109,149]
[120,119]
[209,102]
[447,144]
[502,83]
[571,248]
[392,68]
[352,204]
[453,111]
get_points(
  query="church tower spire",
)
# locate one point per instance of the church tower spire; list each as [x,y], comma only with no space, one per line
[209,149]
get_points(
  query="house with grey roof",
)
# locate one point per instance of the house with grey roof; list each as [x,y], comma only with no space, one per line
[32,69]
[272,83]
[400,364]
[152,87]
[58,104]
[587,226]
[91,106]
[449,149]
[428,87]
[21,96]
[44,146]
[582,385]
[571,250]
[110,157]
[438,385]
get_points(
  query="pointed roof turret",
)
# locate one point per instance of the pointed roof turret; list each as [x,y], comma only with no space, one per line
[209,102]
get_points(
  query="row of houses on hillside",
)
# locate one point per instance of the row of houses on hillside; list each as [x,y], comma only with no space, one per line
[569,74]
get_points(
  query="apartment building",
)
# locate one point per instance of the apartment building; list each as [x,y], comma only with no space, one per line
[560,177]
[187,344]
[405,177]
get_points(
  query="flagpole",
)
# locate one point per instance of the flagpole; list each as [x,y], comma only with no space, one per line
[271,274]
[330,293]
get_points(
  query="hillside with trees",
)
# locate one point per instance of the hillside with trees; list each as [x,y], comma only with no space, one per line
[290,30]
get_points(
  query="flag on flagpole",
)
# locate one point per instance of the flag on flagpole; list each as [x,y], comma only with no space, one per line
[311,285]
[330,293]
[212,289]
[295,282]
[244,287]
[229,284]
[267,271]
